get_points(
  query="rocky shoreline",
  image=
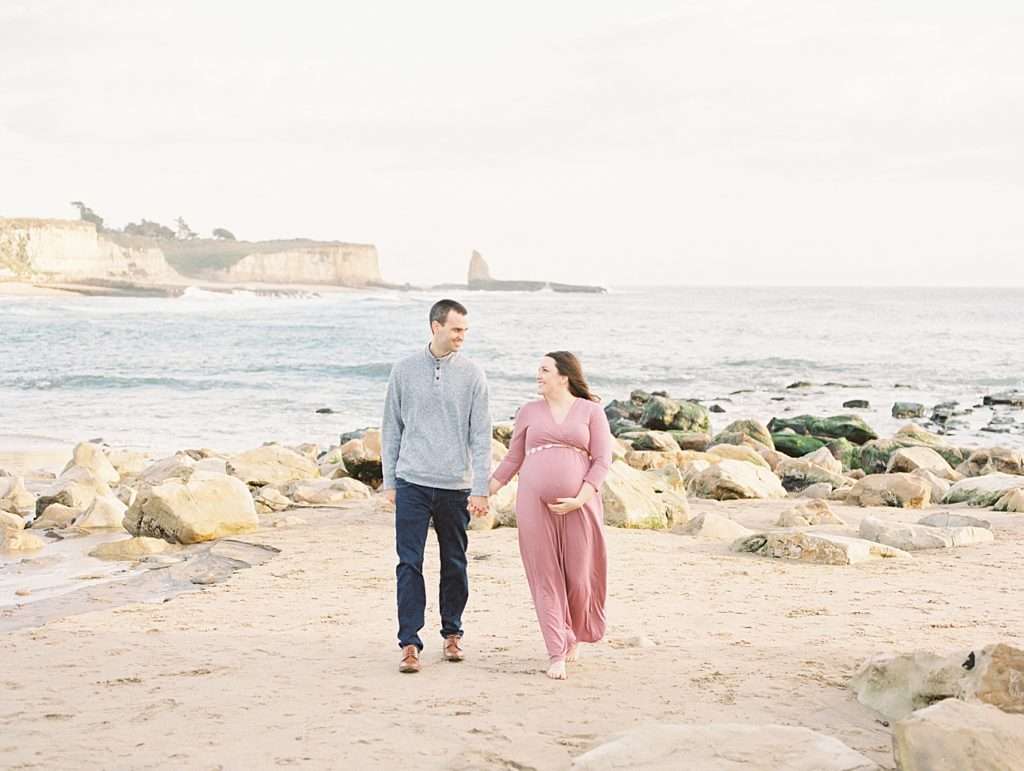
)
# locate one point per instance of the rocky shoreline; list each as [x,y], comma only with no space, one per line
[803,493]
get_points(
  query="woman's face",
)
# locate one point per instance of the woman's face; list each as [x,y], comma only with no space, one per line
[549,382]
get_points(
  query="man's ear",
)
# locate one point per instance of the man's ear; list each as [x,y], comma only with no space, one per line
[434,326]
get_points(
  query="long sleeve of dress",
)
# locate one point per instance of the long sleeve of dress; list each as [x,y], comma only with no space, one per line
[509,466]
[600,448]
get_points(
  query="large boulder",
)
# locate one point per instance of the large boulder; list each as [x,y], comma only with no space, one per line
[630,500]
[915,537]
[734,479]
[272,464]
[15,497]
[991,460]
[1012,500]
[206,507]
[714,526]
[938,486]
[327,492]
[956,736]
[984,490]
[19,541]
[795,445]
[949,519]
[850,427]
[658,441]
[105,512]
[362,458]
[663,414]
[11,521]
[178,466]
[899,490]
[874,455]
[908,410]
[815,512]
[739,430]
[798,474]
[691,440]
[912,458]
[127,463]
[722,747]
[91,457]
[897,685]
[739,452]
[846,452]
[77,488]
[817,547]
[56,516]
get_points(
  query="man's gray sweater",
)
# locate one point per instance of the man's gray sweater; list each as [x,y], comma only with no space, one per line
[437,424]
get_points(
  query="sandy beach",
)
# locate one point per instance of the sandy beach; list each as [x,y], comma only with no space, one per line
[293,662]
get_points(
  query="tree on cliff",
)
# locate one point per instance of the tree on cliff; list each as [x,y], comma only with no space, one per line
[184,231]
[227,235]
[88,215]
[148,229]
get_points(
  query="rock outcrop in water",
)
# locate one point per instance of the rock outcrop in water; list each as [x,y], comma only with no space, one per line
[479,278]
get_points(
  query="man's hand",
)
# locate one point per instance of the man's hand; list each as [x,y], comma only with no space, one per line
[479,505]
[389,496]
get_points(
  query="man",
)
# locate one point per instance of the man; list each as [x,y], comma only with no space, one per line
[436,459]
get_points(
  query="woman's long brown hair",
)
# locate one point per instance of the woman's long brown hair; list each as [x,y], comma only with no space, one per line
[569,366]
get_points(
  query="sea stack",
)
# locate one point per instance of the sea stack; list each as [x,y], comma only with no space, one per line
[479,270]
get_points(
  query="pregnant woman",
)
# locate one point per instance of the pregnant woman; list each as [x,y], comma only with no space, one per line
[561,447]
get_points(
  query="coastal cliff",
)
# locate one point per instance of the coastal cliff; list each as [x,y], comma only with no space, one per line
[54,251]
[70,250]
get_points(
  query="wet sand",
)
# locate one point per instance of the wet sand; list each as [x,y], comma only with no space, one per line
[293,662]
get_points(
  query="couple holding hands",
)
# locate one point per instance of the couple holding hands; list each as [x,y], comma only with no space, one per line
[436,437]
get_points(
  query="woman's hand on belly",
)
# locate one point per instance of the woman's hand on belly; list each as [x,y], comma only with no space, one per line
[565,505]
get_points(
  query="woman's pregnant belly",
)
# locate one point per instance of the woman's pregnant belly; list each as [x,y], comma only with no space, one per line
[553,473]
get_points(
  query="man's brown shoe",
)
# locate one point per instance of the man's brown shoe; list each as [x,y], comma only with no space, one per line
[453,648]
[410,659]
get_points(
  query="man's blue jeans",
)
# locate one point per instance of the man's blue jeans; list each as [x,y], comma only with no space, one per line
[415,506]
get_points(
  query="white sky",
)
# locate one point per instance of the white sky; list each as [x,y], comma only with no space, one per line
[707,142]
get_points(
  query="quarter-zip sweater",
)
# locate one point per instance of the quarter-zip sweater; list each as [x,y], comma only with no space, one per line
[436,430]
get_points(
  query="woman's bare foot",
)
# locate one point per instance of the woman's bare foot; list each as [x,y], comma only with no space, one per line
[557,670]
[573,654]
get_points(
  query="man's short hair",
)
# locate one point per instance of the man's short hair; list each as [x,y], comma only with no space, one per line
[439,311]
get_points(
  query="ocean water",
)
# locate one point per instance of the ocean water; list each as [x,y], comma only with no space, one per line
[230,372]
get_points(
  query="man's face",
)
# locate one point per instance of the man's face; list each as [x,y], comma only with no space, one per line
[450,335]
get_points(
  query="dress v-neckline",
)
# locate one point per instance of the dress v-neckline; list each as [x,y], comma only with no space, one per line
[551,412]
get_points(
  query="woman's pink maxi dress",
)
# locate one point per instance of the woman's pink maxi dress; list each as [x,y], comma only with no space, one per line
[564,554]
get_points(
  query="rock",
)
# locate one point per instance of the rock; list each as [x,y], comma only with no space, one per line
[714,526]
[15,498]
[1011,501]
[691,440]
[1011,398]
[1003,460]
[56,516]
[739,452]
[856,404]
[127,463]
[956,736]
[310,450]
[19,540]
[795,445]
[916,537]
[663,414]
[874,455]
[11,521]
[478,268]
[716,408]
[179,466]
[735,432]
[324,411]
[92,457]
[644,460]
[899,490]
[77,488]
[269,499]
[907,410]
[983,490]
[208,506]
[817,547]
[995,675]
[913,458]
[800,384]
[289,522]
[132,548]
[811,513]
[272,464]
[106,511]
[846,452]
[630,501]
[947,519]
[362,459]
[895,686]
[797,474]
[502,431]
[722,747]
[667,479]
[818,490]
[849,427]
[824,458]
[938,487]
[327,492]
[620,426]
[733,479]
[658,441]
